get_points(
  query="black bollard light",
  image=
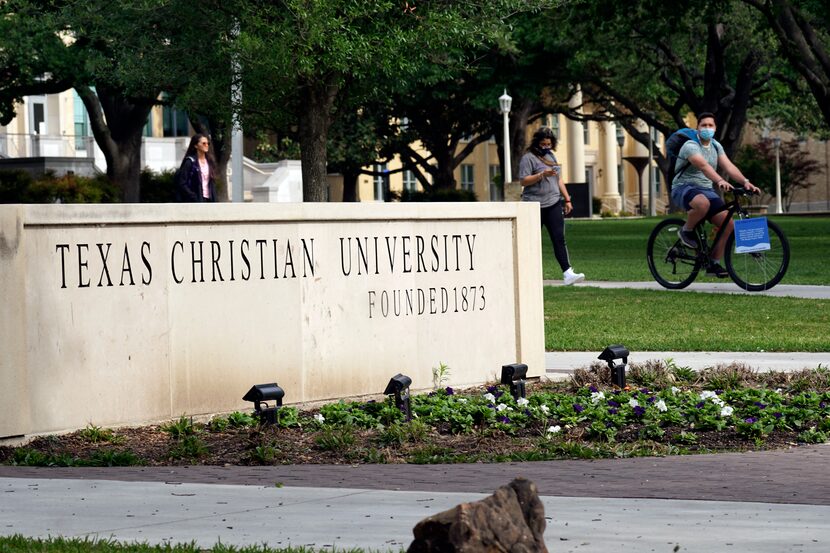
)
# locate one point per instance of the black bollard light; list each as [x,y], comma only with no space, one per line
[514,375]
[610,355]
[259,395]
[399,386]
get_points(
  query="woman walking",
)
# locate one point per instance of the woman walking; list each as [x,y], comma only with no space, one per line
[540,177]
[196,176]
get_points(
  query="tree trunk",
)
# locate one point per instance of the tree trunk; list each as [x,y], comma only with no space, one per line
[350,186]
[117,124]
[317,101]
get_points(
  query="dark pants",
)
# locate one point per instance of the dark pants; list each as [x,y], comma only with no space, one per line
[553,219]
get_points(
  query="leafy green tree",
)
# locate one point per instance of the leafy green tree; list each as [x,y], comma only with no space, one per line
[757,162]
[656,61]
[320,48]
[802,28]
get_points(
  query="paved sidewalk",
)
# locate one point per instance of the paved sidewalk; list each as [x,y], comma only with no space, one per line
[725,287]
[771,502]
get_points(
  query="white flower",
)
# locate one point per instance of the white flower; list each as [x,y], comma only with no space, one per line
[545,409]
[718,401]
[675,390]
[661,406]
[596,397]
[462,400]
[633,402]
[554,429]
[502,407]
[490,397]
[320,418]
[521,402]
[706,394]
[726,411]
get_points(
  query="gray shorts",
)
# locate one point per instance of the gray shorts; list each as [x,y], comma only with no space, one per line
[683,195]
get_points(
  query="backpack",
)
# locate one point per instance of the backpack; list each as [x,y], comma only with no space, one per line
[673,145]
[177,175]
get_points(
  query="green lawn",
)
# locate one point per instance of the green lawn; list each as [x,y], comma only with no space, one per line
[615,249]
[588,319]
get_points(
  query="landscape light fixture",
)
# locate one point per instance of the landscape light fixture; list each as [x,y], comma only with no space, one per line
[399,386]
[514,375]
[259,395]
[610,355]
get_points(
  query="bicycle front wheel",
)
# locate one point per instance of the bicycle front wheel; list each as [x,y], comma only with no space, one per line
[672,264]
[760,270]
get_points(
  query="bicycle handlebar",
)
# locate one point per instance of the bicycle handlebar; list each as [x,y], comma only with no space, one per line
[741,191]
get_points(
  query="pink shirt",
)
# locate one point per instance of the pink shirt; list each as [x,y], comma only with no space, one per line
[204,169]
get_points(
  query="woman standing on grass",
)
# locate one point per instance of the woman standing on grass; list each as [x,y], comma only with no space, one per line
[539,175]
[197,175]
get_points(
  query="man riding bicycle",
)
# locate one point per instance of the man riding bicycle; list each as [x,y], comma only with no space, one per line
[692,188]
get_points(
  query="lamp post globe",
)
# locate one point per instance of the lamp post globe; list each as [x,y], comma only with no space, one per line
[505,102]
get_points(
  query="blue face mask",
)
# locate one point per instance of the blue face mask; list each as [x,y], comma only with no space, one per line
[706,134]
[545,151]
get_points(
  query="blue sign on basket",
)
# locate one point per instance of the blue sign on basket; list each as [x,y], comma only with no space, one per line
[751,235]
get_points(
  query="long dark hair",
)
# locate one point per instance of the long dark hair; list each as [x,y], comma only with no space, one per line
[540,135]
[191,151]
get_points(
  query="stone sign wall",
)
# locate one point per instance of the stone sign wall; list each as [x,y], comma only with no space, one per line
[127,314]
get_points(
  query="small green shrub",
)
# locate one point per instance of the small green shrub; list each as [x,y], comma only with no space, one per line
[439,195]
[21,187]
[188,447]
[96,434]
[181,428]
[334,439]
[264,454]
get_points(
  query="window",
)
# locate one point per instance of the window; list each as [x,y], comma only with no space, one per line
[586,134]
[554,124]
[174,122]
[381,182]
[467,182]
[495,183]
[410,183]
[81,120]
[655,175]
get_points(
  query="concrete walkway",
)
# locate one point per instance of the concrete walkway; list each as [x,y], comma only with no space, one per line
[746,503]
[724,287]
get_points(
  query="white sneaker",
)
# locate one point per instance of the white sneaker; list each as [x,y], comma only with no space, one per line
[573,278]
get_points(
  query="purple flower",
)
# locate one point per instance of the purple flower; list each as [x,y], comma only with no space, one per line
[498,393]
[527,412]
[700,405]
[609,424]
[651,399]
[449,391]
[644,390]
[750,420]
[822,405]
[491,406]
[492,389]
[578,408]
[612,411]
[760,405]
[612,403]
[593,389]
[639,411]
[504,419]
[719,392]
[778,415]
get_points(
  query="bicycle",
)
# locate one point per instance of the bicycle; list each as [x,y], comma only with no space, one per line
[675,265]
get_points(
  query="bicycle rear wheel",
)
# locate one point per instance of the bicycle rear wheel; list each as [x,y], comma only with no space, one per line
[672,264]
[760,270]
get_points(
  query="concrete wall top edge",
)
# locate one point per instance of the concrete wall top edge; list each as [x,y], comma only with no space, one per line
[98,214]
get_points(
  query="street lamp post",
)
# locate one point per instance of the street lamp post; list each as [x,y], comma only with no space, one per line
[621,143]
[776,142]
[505,101]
